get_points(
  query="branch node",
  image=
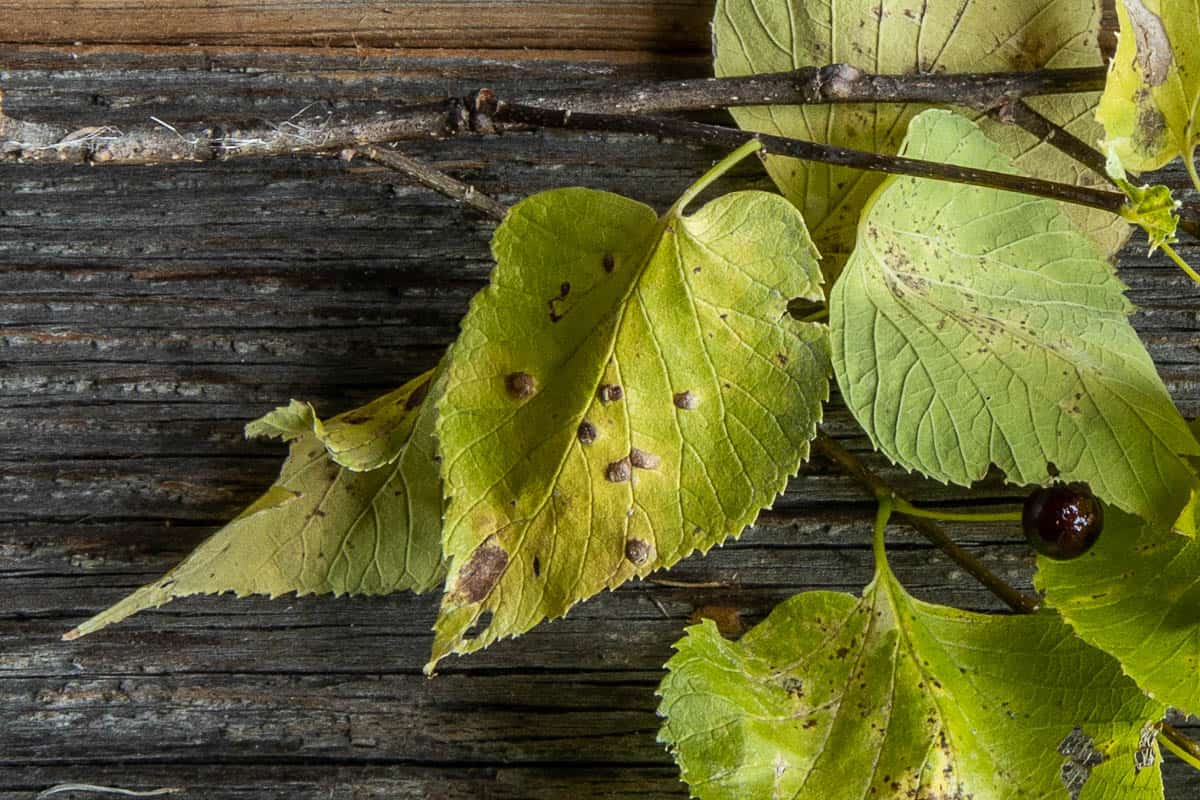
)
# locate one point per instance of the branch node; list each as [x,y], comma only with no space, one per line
[838,81]
[483,106]
[1003,109]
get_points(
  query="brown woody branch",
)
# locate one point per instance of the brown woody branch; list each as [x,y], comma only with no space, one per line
[435,179]
[722,136]
[676,129]
[835,83]
[315,131]
[322,131]
[932,531]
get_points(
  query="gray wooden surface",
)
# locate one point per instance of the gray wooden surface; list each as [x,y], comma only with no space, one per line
[147,313]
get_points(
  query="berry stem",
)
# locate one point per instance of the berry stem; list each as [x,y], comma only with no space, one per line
[905,507]
[1186,749]
[878,487]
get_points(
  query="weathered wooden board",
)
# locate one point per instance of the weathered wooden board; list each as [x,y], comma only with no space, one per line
[147,313]
[461,24]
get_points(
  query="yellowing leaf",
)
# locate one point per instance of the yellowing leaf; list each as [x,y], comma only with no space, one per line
[837,698]
[1152,96]
[975,327]
[629,389]
[906,36]
[322,528]
[1136,595]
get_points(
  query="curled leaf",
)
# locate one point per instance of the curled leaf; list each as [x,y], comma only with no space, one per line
[362,439]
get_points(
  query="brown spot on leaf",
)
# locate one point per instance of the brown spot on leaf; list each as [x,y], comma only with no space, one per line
[637,551]
[520,385]
[686,400]
[1151,128]
[563,291]
[618,471]
[610,393]
[609,262]
[418,396]
[643,459]
[782,359]
[481,572]
[537,567]
[356,419]
[1154,53]
[587,432]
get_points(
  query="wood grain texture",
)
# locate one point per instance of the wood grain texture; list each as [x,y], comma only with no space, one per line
[477,24]
[147,313]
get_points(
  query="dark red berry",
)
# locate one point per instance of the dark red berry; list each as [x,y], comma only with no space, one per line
[1062,521]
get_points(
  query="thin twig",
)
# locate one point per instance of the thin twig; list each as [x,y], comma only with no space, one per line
[89,788]
[674,129]
[726,137]
[308,131]
[316,131]
[850,463]
[435,179]
[834,83]
[1021,114]
[483,112]
[674,584]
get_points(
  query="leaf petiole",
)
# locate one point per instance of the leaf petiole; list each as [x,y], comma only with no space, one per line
[720,168]
[1189,158]
[886,503]
[905,507]
[1179,262]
